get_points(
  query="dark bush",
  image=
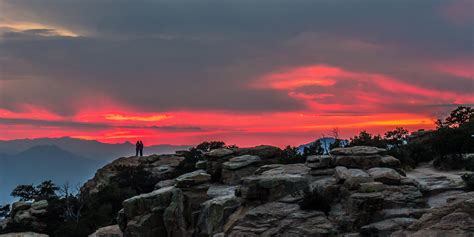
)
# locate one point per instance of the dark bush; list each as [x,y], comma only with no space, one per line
[291,156]
[366,139]
[314,149]
[4,210]
[209,146]
[450,162]
[44,191]
[137,179]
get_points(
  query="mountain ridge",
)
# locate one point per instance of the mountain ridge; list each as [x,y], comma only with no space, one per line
[91,149]
[62,160]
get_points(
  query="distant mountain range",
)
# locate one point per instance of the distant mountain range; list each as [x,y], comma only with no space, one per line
[87,148]
[62,160]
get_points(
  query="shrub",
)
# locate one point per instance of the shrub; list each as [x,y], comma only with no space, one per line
[366,139]
[44,191]
[4,210]
[291,156]
[314,149]
[450,162]
[209,146]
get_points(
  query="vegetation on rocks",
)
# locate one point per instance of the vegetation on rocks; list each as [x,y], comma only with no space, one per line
[446,146]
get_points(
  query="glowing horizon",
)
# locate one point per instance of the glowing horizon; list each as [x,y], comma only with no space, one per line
[250,74]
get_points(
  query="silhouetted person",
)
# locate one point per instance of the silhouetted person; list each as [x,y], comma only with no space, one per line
[141,148]
[137,148]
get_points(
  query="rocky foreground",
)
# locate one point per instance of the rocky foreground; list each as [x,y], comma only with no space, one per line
[357,191]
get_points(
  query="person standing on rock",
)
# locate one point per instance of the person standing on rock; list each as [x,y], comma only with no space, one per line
[139,148]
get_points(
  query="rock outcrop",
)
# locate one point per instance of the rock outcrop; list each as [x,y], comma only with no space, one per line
[363,157]
[355,191]
[238,167]
[245,192]
[455,218]
[282,219]
[385,175]
[274,183]
[26,214]
[230,165]
[159,167]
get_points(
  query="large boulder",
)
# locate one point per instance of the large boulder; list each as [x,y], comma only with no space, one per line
[357,151]
[143,215]
[326,187]
[219,153]
[31,215]
[352,178]
[281,219]
[385,175]
[248,156]
[277,169]
[215,213]
[218,190]
[165,183]
[456,218]
[434,182]
[275,183]
[265,152]
[407,194]
[192,179]
[240,162]
[169,211]
[238,167]
[363,157]
[158,167]
[319,161]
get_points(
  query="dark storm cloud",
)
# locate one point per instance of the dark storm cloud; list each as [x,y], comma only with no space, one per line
[164,55]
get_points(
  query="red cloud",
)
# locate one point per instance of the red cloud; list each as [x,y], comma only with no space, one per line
[336,97]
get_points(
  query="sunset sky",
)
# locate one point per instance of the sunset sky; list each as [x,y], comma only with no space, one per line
[244,71]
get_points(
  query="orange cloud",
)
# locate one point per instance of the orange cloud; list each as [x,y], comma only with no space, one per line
[319,75]
[24,26]
[152,118]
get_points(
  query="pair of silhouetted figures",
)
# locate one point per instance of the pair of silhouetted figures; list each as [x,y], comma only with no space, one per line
[139,148]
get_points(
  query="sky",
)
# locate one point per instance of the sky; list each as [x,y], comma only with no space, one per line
[279,72]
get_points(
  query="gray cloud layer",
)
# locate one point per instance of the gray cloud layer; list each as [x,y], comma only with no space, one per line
[201,55]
